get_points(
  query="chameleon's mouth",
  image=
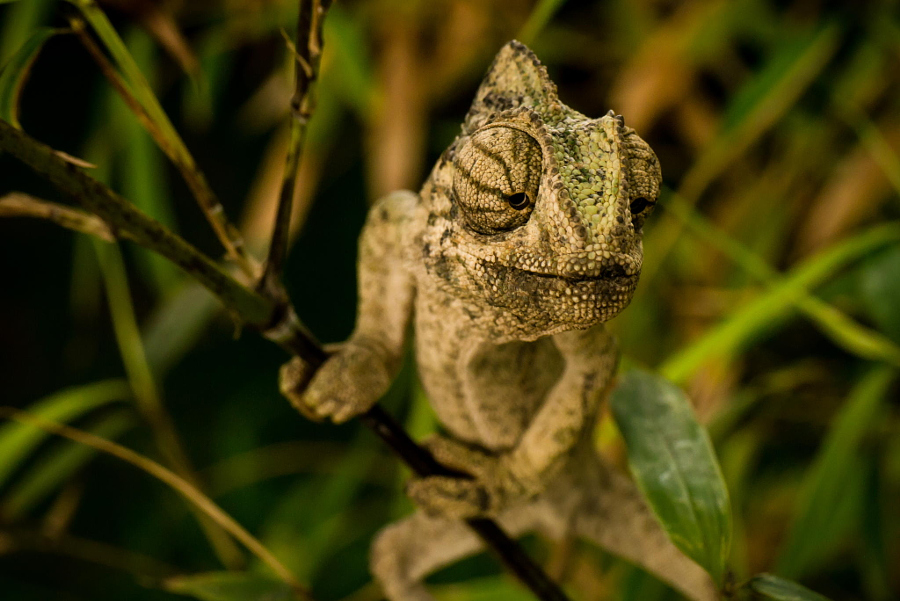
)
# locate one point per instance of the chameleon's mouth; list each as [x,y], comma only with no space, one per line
[612,270]
[579,301]
[607,272]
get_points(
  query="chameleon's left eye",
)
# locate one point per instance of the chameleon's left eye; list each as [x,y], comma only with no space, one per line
[518,201]
[496,179]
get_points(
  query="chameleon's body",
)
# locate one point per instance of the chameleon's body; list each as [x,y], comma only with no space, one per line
[524,239]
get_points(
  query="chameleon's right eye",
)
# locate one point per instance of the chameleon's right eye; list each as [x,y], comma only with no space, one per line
[496,180]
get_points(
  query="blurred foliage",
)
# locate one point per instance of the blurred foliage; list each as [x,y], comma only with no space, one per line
[771,285]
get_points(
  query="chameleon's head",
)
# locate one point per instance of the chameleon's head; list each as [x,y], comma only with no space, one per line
[538,209]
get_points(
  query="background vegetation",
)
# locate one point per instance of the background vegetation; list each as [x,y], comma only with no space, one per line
[771,288]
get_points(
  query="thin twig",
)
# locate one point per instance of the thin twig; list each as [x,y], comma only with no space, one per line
[157,123]
[187,490]
[17,204]
[96,552]
[307,55]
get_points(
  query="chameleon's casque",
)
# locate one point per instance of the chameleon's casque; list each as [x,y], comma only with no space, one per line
[525,238]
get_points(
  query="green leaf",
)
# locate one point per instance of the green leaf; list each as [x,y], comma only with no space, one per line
[838,326]
[782,589]
[18,440]
[142,170]
[675,467]
[58,465]
[771,307]
[15,73]
[881,289]
[19,22]
[821,519]
[230,586]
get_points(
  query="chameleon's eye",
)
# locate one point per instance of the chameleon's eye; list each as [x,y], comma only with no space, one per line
[518,201]
[638,205]
[496,179]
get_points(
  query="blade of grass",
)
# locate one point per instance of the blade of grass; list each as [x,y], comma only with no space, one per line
[842,329]
[57,466]
[15,73]
[184,488]
[228,586]
[18,440]
[19,23]
[142,171]
[767,309]
[146,393]
[880,288]
[320,519]
[815,529]
[764,101]
[538,18]
[176,324]
[165,134]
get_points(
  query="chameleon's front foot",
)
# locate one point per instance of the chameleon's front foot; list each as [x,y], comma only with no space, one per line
[490,489]
[347,384]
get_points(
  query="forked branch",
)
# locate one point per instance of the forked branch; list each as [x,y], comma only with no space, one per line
[17,204]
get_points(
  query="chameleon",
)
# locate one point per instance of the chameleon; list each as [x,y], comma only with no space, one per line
[523,241]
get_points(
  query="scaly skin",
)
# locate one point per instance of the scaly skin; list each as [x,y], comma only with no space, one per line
[525,238]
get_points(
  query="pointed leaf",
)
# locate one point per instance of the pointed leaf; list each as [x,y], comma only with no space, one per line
[18,440]
[881,289]
[15,73]
[230,586]
[782,589]
[675,467]
[57,466]
[772,307]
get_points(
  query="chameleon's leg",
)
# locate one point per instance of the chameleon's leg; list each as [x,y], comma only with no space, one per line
[405,552]
[615,517]
[361,370]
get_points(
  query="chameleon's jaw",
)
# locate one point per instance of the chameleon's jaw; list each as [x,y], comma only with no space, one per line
[553,301]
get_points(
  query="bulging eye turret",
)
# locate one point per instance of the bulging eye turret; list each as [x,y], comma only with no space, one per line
[495,184]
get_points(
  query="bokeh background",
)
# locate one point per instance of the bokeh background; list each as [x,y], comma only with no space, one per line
[771,288]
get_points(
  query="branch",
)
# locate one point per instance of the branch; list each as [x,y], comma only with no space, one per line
[137,93]
[17,204]
[307,54]
[290,334]
[274,317]
[423,464]
[126,221]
